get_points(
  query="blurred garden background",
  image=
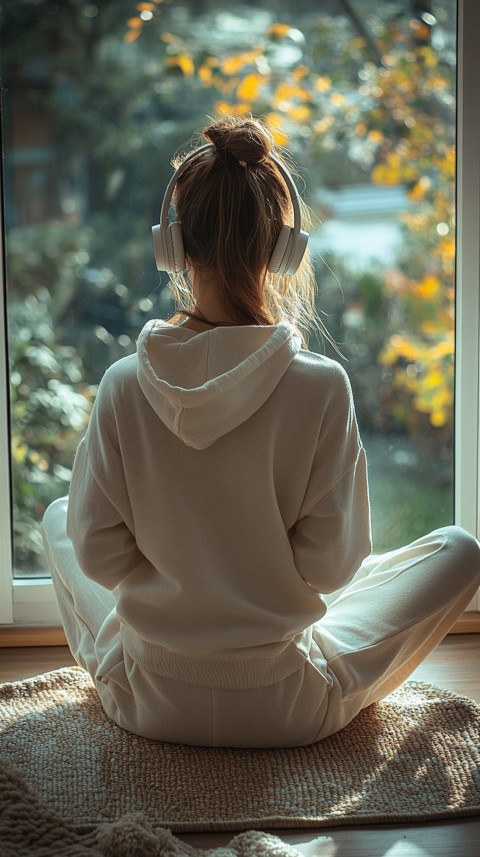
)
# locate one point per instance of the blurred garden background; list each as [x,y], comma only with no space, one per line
[96,100]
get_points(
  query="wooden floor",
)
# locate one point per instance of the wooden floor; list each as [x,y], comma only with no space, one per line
[455,665]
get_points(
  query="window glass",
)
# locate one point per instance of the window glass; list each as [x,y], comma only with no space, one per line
[96,99]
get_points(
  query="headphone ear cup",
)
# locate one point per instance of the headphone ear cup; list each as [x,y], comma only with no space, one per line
[168,248]
[158,247]
[296,253]
[177,256]
[278,253]
[288,251]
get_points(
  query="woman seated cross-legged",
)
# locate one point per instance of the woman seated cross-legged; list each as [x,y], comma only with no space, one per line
[212,562]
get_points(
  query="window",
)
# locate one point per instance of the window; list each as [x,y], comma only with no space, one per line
[107,93]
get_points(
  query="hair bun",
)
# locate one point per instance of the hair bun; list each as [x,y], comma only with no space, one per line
[245,140]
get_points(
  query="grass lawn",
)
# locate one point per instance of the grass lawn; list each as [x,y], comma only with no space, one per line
[408,499]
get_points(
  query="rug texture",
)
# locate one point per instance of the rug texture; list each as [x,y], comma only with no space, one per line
[28,829]
[414,756]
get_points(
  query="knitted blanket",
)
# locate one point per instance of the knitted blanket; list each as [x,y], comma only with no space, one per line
[28,829]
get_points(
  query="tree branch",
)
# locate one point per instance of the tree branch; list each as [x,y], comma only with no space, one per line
[362,29]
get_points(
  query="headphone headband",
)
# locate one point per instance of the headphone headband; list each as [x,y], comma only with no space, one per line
[168,243]
[173,181]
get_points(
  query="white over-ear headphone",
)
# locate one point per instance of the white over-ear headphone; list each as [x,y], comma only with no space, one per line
[168,241]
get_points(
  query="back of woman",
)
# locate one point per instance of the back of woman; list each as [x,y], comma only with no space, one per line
[219,500]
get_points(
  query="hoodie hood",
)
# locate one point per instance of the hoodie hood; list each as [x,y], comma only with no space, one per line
[204,385]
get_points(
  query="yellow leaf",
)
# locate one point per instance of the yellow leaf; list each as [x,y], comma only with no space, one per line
[438,419]
[205,73]
[241,109]
[235,63]
[134,23]
[285,93]
[388,356]
[249,87]
[442,399]
[145,7]
[300,72]
[274,122]
[446,247]
[337,99]
[448,163]
[399,346]
[434,379]
[278,31]
[279,136]
[232,65]
[131,36]
[418,191]
[428,54]
[389,172]
[422,405]
[223,107]
[404,347]
[428,288]
[300,113]
[323,84]
[19,451]
[183,62]
[443,349]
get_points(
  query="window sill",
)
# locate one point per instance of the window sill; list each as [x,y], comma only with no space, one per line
[18,636]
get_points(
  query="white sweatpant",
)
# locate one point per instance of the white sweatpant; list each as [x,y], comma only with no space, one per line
[376,631]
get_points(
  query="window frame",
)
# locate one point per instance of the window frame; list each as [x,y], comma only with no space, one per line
[467,314]
[6,587]
[467,275]
[32,602]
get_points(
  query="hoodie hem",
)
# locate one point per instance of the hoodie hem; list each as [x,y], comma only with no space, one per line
[238,674]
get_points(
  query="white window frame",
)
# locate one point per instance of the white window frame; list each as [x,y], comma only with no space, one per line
[33,601]
[467,317]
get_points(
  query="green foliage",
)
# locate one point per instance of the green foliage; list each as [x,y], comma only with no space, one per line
[49,412]
[90,309]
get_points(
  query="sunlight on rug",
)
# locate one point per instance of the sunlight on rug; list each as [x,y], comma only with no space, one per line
[413,757]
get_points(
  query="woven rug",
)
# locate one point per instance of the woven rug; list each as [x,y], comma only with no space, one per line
[413,757]
[29,829]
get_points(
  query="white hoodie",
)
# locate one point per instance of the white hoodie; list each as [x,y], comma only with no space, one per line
[220,490]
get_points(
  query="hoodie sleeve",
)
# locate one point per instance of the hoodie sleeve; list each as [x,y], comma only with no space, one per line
[104,546]
[332,535]
[99,518]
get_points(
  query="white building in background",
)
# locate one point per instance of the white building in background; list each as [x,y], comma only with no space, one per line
[364,224]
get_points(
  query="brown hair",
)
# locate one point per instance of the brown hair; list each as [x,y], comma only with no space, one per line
[232,202]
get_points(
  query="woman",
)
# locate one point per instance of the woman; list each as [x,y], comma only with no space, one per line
[219,500]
